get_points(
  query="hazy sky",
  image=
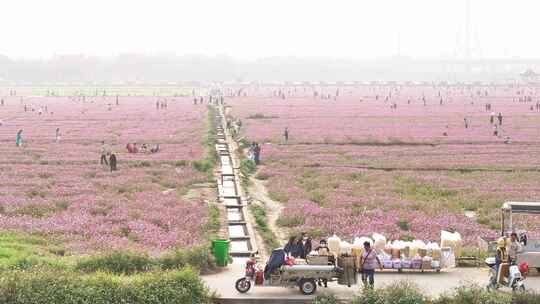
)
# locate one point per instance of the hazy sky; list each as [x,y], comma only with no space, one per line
[259,28]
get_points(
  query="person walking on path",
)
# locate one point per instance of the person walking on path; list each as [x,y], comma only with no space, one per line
[18,139]
[500,118]
[257,153]
[103,153]
[286,135]
[57,135]
[368,262]
[112,161]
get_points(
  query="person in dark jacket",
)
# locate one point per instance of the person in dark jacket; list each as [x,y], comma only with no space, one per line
[293,247]
[257,153]
[112,161]
[305,244]
[276,260]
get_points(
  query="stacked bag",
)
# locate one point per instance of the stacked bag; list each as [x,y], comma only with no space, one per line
[399,254]
[417,254]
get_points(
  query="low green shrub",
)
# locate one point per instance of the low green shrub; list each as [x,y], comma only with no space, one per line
[212,224]
[244,144]
[128,263]
[404,292]
[525,298]
[182,286]
[317,197]
[401,292]
[268,236]
[203,166]
[474,295]
[403,225]
[116,262]
[263,176]
[247,167]
[45,287]
[200,258]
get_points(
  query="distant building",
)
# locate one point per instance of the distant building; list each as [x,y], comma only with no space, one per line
[529,76]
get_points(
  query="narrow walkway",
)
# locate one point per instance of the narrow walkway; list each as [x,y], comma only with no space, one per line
[273,209]
[230,192]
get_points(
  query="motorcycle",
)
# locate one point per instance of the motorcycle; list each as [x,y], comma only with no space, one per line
[254,274]
[283,272]
[516,276]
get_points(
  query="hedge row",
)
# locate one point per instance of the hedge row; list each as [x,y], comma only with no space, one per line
[408,293]
[128,263]
[51,287]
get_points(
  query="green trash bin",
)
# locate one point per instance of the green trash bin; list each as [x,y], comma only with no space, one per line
[220,248]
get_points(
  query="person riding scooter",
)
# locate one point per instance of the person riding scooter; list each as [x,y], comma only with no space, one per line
[501,259]
[505,272]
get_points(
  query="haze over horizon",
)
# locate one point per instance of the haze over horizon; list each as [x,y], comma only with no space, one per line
[248,30]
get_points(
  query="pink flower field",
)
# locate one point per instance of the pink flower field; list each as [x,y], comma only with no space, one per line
[59,190]
[376,159]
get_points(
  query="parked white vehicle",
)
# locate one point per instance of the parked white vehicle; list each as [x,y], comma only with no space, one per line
[530,252]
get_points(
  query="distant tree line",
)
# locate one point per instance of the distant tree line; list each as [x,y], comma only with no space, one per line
[172,68]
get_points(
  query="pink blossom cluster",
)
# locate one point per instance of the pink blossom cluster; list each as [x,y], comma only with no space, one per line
[379,155]
[59,189]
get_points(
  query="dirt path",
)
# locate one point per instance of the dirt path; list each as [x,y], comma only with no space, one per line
[258,191]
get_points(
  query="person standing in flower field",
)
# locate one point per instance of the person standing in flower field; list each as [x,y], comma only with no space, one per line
[257,153]
[103,153]
[500,118]
[57,135]
[112,161]
[18,139]
[286,134]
